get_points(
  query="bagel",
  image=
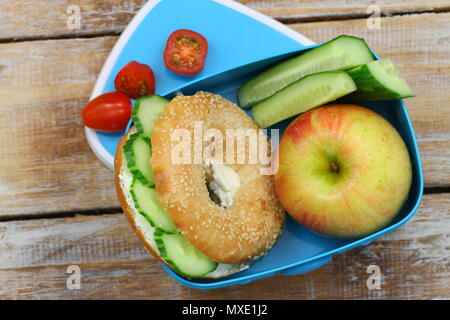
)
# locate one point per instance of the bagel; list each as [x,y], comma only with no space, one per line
[227,210]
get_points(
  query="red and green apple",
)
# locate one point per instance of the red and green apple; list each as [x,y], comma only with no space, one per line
[344,171]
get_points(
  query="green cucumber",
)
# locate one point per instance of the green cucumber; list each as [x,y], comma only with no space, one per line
[137,151]
[182,256]
[342,53]
[307,93]
[172,246]
[378,80]
[146,111]
[147,202]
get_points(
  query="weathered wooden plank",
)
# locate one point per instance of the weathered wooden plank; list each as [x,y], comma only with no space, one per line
[34,255]
[310,10]
[46,165]
[46,19]
[45,162]
[420,46]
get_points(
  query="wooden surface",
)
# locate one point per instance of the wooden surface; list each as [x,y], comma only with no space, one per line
[35,19]
[57,201]
[414,262]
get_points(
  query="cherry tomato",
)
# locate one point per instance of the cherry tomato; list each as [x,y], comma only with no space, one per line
[109,112]
[185,52]
[136,80]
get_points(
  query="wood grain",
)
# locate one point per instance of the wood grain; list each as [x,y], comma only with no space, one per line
[45,162]
[46,166]
[34,256]
[49,19]
[34,19]
[308,10]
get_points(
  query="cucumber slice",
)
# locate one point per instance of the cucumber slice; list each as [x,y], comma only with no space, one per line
[146,111]
[182,256]
[378,80]
[307,93]
[147,202]
[341,53]
[137,151]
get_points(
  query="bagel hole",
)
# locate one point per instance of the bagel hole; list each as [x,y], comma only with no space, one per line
[221,182]
[208,179]
[212,195]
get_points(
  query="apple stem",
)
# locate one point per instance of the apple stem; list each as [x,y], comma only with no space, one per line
[334,167]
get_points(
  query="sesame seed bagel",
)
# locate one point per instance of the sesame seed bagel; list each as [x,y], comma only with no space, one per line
[251,223]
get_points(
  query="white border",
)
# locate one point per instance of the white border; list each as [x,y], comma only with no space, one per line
[91,135]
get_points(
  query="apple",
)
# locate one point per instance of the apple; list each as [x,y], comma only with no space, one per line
[344,171]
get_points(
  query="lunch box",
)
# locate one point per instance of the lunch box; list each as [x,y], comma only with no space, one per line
[242,43]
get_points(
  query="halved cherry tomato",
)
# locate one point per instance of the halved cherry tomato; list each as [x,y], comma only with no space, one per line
[136,80]
[109,112]
[185,52]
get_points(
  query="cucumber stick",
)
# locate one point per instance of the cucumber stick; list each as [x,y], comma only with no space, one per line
[138,148]
[342,53]
[137,152]
[307,93]
[145,113]
[173,247]
[147,202]
[378,80]
[182,256]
